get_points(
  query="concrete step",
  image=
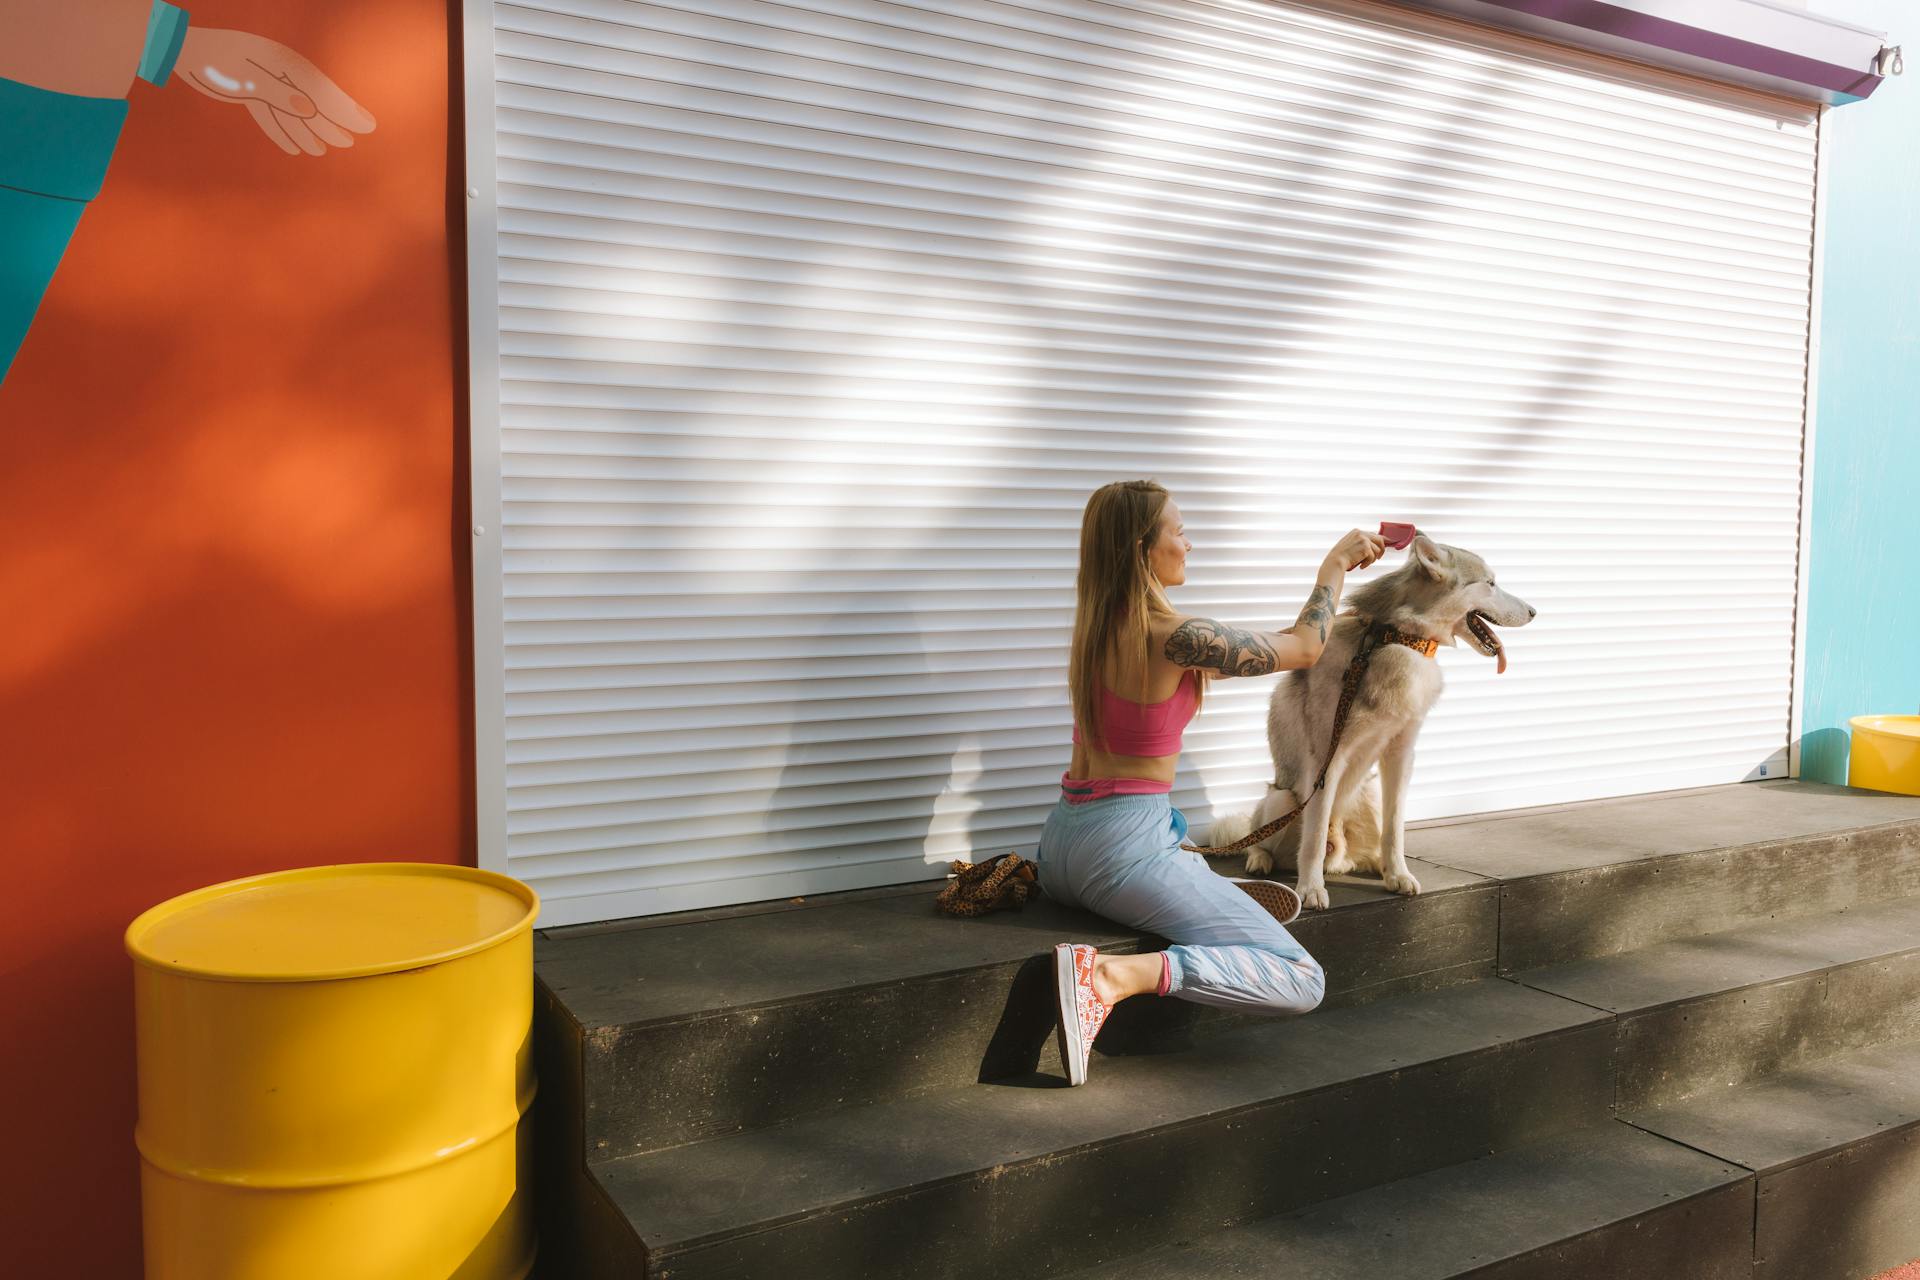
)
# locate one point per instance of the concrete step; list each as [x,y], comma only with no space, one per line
[1025,1177]
[674,1033]
[1835,1151]
[1606,1202]
[1710,1011]
[749,1090]
[1597,879]
[683,1027]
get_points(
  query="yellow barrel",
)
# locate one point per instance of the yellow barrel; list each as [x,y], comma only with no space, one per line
[1885,754]
[334,1073]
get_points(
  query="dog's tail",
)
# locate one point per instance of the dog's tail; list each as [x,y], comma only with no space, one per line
[1227,827]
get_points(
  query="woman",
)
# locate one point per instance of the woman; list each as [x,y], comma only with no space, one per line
[1112,843]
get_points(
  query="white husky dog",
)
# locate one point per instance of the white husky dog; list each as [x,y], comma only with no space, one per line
[1442,593]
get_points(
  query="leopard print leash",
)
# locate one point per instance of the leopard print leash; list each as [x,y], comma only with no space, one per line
[1376,635]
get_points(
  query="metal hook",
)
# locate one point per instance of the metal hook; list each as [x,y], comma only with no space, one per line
[1889,62]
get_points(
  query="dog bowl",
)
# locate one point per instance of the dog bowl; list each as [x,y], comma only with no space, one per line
[1886,754]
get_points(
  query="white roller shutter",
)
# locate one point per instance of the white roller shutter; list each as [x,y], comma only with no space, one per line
[817,323]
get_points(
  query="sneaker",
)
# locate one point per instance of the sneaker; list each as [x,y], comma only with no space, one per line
[1280,900]
[1081,1011]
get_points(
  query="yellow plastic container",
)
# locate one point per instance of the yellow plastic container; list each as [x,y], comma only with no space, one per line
[1885,754]
[335,1072]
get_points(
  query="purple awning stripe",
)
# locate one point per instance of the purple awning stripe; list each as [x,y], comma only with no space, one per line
[1664,34]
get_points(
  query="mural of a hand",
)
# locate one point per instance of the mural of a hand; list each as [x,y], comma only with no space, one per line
[292,101]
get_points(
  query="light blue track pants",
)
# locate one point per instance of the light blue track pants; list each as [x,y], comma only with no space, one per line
[1120,857]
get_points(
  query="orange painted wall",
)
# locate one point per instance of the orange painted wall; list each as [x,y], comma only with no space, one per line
[233,623]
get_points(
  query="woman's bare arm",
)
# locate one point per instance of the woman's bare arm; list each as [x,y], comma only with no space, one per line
[1226,650]
[1223,650]
[1316,616]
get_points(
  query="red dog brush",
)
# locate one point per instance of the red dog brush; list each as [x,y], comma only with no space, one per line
[1398,536]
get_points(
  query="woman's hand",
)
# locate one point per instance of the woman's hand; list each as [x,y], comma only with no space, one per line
[1357,550]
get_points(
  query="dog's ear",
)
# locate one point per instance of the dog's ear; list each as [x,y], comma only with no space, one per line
[1428,556]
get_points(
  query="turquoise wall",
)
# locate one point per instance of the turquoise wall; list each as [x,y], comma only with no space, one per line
[1863,623]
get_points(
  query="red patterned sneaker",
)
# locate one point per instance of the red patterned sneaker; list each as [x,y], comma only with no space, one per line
[1081,1011]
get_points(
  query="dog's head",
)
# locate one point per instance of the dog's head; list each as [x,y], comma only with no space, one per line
[1445,591]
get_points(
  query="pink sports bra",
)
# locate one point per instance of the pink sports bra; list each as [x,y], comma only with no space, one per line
[1147,728]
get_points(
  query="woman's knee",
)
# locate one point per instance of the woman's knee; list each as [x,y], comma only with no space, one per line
[1308,987]
[1316,981]
[1281,982]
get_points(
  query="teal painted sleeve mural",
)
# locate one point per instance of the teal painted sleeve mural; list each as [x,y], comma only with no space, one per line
[56,144]
[1863,609]
[54,149]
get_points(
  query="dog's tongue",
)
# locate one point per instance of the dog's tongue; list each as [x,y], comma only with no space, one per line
[1501,669]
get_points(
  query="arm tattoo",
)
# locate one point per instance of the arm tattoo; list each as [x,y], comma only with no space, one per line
[1318,612]
[1202,642]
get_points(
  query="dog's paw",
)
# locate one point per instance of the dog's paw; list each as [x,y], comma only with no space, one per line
[1401,882]
[1259,861]
[1313,897]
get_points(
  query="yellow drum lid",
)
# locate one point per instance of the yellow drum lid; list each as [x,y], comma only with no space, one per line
[319,923]
[1890,726]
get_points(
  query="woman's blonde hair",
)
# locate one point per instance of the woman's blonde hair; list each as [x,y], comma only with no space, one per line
[1116,594]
